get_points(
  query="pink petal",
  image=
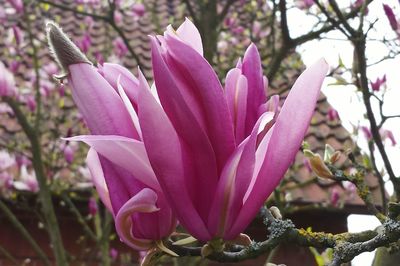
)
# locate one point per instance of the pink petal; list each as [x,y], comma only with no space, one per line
[235,180]
[143,202]
[203,81]
[198,149]
[171,87]
[127,153]
[286,138]
[129,107]
[236,95]
[188,32]
[128,81]
[252,69]
[165,153]
[100,105]
[93,163]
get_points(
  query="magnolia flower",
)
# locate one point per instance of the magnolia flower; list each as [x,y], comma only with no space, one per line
[216,154]
[7,83]
[118,162]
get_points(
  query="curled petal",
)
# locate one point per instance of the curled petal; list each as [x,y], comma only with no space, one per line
[143,202]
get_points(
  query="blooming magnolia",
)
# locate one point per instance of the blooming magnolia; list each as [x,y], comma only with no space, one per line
[125,181]
[217,153]
[229,150]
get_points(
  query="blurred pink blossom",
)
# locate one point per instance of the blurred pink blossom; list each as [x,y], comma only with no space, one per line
[14,66]
[118,17]
[6,182]
[367,132]
[69,153]
[92,205]
[391,17]
[3,15]
[31,102]
[350,188]
[388,134]
[304,4]
[332,114]
[87,2]
[335,196]
[18,35]
[237,30]
[22,160]
[138,9]
[6,160]
[18,5]
[50,69]
[7,83]
[99,57]
[229,21]
[120,48]
[376,86]
[358,4]
[27,181]
[85,43]
[113,254]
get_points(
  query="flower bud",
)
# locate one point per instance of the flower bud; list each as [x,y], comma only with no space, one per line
[318,165]
[65,52]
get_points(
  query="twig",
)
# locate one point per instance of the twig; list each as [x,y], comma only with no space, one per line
[79,217]
[44,191]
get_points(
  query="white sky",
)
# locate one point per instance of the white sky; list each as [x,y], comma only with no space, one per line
[344,98]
